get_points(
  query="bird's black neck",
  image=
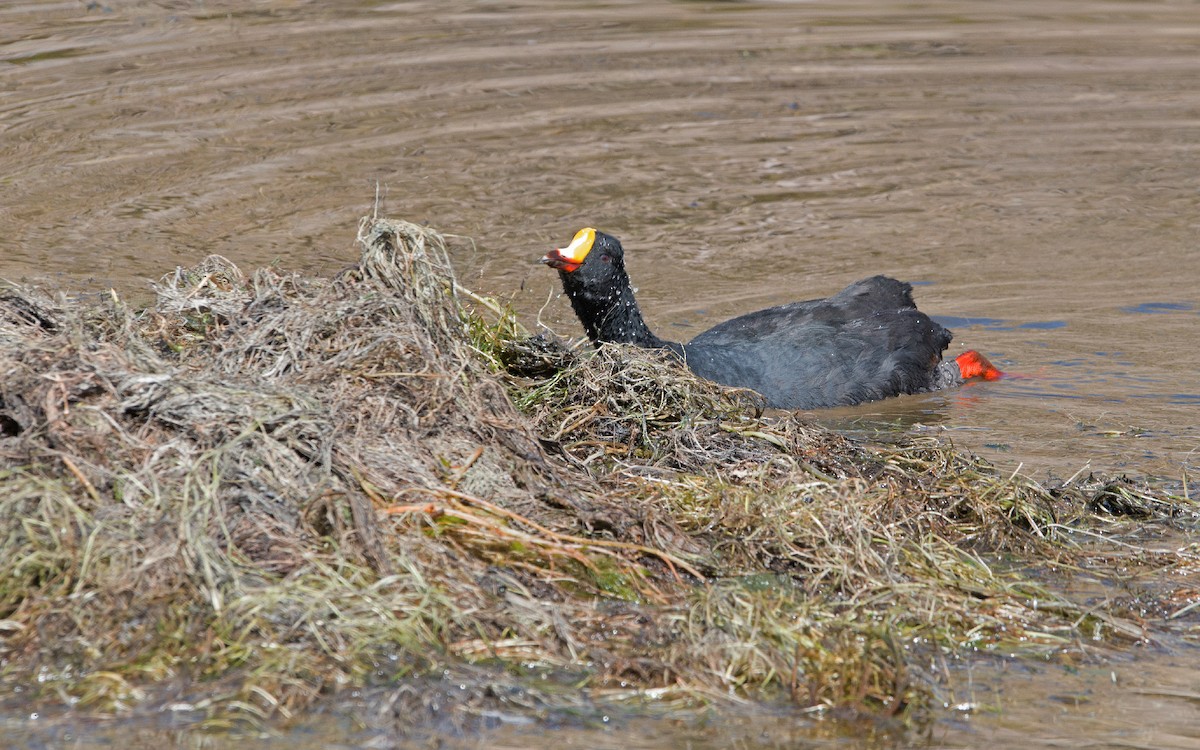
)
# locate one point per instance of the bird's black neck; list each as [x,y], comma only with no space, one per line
[613,316]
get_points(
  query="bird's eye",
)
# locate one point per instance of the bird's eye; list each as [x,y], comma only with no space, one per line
[605,258]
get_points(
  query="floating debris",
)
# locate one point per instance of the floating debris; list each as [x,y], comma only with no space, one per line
[267,487]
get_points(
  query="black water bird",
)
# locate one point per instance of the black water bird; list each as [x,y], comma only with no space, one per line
[865,343]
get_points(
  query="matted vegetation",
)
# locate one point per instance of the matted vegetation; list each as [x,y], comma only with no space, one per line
[269,488]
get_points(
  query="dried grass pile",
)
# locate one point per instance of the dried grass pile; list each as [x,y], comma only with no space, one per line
[262,490]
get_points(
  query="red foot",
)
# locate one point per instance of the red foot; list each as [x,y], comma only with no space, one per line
[972,364]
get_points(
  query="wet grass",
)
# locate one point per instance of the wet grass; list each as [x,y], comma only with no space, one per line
[272,488]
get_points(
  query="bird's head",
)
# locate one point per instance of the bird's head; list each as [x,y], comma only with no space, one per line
[593,260]
[592,271]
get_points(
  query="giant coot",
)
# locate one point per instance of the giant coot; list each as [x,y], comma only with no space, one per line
[865,343]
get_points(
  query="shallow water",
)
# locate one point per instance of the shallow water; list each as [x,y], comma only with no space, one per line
[1031,166]
[1116,704]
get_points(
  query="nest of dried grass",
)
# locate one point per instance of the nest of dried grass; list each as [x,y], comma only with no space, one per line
[269,488]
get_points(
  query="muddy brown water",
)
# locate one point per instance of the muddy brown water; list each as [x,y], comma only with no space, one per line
[1033,167]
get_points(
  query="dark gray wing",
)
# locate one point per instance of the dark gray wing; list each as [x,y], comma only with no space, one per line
[867,342]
